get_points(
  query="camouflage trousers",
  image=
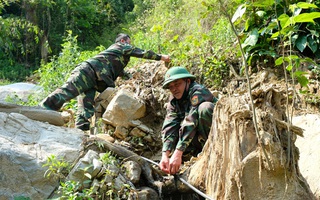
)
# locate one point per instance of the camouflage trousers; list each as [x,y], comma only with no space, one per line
[205,119]
[82,84]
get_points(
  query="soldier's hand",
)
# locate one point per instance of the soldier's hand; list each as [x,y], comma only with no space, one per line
[165,58]
[175,161]
[164,163]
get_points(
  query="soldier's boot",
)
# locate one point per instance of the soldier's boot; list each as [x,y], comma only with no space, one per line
[82,124]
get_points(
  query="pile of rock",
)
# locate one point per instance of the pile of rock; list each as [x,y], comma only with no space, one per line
[122,120]
[107,178]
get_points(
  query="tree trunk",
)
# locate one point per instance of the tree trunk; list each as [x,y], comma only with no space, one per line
[235,164]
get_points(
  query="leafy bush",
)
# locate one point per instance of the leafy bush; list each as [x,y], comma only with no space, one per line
[54,74]
[282,31]
[190,33]
[57,168]
[69,190]
[269,27]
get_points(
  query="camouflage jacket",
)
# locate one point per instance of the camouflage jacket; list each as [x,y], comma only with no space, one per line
[109,64]
[180,124]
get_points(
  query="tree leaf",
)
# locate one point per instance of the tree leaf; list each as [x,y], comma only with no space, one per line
[252,39]
[283,19]
[301,42]
[312,44]
[239,13]
[279,61]
[305,5]
[263,3]
[306,17]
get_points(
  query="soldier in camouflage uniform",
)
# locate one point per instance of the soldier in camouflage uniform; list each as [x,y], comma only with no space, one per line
[96,74]
[188,120]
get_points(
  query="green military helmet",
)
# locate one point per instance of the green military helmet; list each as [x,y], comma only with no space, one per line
[175,73]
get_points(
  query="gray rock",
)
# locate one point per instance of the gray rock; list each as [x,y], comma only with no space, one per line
[19,91]
[133,171]
[25,146]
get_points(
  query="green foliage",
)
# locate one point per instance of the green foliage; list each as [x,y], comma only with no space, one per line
[268,24]
[293,62]
[55,73]
[21,198]
[32,31]
[71,190]
[88,19]
[13,71]
[279,30]
[188,31]
[18,44]
[57,168]
[108,158]
[32,100]
[214,71]
[196,34]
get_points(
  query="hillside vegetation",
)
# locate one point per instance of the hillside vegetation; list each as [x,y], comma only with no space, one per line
[43,40]
[219,41]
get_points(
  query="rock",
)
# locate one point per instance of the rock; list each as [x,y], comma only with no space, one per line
[141,126]
[133,171]
[95,185]
[123,108]
[135,132]
[119,182]
[85,169]
[25,146]
[144,193]
[121,132]
[106,137]
[309,162]
[19,91]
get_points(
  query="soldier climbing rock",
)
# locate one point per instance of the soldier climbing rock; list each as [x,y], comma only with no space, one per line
[96,74]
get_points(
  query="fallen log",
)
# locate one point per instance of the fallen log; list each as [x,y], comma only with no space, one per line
[35,113]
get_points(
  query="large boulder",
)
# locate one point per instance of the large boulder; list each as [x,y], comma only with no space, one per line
[123,108]
[25,145]
[309,162]
[19,91]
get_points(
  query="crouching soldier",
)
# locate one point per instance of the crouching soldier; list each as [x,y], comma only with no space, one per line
[188,119]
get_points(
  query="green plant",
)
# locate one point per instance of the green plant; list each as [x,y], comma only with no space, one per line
[123,193]
[214,71]
[69,190]
[55,73]
[108,158]
[21,198]
[32,100]
[57,168]
[270,26]
[293,62]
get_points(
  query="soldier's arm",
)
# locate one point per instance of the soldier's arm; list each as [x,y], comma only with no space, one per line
[146,54]
[190,122]
[170,130]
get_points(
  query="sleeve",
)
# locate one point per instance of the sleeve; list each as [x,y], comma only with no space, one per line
[190,122]
[140,53]
[170,129]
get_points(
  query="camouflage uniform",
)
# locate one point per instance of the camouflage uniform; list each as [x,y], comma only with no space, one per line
[188,121]
[95,74]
